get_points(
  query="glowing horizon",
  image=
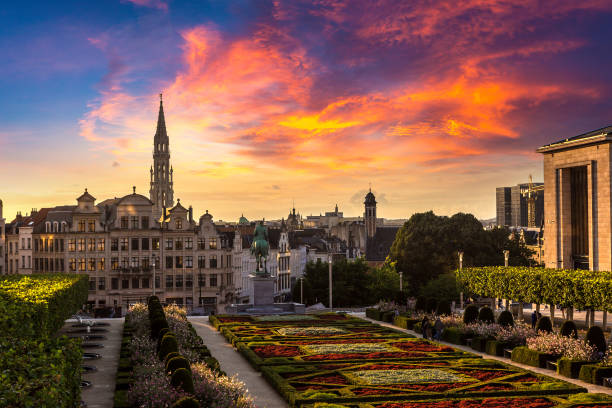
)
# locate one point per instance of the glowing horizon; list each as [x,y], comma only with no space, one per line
[268,103]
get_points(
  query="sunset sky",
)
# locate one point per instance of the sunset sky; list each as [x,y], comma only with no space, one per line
[435,103]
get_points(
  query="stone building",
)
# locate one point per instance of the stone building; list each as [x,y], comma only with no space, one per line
[2,241]
[577,201]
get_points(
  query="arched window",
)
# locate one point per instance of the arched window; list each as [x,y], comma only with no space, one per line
[55,226]
[47,226]
[64,226]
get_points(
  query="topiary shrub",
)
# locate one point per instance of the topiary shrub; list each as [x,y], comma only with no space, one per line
[569,329]
[177,362]
[186,402]
[171,355]
[544,325]
[444,307]
[431,305]
[421,303]
[505,319]
[168,345]
[596,338]
[181,378]
[156,326]
[486,315]
[470,314]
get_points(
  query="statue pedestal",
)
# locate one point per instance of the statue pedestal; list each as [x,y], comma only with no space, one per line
[263,290]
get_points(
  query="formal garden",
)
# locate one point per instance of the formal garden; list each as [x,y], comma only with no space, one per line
[336,360]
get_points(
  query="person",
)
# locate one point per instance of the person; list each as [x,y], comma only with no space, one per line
[439,326]
[424,326]
[112,313]
[534,319]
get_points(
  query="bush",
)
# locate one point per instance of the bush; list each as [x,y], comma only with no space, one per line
[182,378]
[171,355]
[470,314]
[168,345]
[37,305]
[405,322]
[486,315]
[186,402]
[432,303]
[570,368]
[421,303]
[479,343]
[177,362]
[544,325]
[525,355]
[387,317]
[596,338]
[594,373]
[453,335]
[157,325]
[444,307]
[505,319]
[495,348]
[569,329]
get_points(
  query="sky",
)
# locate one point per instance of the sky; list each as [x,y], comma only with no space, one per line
[268,103]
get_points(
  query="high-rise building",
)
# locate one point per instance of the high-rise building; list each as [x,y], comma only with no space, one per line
[513,205]
[503,205]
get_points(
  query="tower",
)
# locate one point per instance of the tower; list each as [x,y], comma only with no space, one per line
[370,214]
[161,192]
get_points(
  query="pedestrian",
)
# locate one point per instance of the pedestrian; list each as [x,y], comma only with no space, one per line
[439,326]
[534,319]
[112,313]
[425,326]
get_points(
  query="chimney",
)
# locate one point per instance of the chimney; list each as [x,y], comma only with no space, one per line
[190,214]
[34,211]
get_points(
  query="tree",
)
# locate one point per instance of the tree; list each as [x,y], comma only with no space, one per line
[384,284]
[444,287]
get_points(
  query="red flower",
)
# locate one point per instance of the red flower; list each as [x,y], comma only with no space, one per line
[276,351]
[362,356]
[423,346]
[486,403]
[484,375]
[234,319]
[328,378]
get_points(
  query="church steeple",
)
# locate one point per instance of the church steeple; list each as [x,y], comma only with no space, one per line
[161,192]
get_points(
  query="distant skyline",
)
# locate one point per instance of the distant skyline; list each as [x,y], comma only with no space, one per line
[269,102]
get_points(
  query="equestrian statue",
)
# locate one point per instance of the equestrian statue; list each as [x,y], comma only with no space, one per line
[260,248]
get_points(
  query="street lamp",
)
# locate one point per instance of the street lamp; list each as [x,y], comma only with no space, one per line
[154,280]
[301,289]
[329,260]
[460,254]
[200,285]
[401,281]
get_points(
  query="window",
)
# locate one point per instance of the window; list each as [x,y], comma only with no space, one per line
[134,263]
[145,283]
[213,261]
[179,244]
[80,244]
[35,242]
[135,283]
[29,243]
[47,227]
[213,280]
[101,242]
[92,284]
[92,264]
[125,261]
[144,222]
[201,261]
[179,281]
[101,264]
[144,244]
[114,263]
[114,283]
[71,245]
[81,264]
[179,223]
[22,243]
[168,262]
[157,282]
[81,225]
[124,222]
[62,264]
[169,243]
[91,225]
[229,279]
[201,279]
[114,244]
[189,281]
[101,283]
[125,283]
[134,220]
[124,244]
[178,262]
[135,242]
[155,244]
[72,264]
[145,262]
[47,245]
[188,243]
[189,262]
[229,261]
[169,281]
[201,243]
[61,245]
[91,244]
[212,243]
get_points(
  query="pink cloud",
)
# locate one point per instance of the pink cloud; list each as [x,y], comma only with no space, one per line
[158,4]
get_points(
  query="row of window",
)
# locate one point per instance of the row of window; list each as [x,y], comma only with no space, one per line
[135,244]
[48,245]
[178,262]
[134,222]
[49,264]
[171,282]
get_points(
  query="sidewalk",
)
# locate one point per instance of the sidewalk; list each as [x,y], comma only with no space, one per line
[233,363]
[589,387]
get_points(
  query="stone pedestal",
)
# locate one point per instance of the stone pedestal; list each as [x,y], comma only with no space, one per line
[263,290]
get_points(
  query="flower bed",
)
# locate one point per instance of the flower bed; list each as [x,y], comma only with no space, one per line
[310,319]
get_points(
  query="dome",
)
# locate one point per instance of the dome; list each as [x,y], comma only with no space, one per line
[243,220]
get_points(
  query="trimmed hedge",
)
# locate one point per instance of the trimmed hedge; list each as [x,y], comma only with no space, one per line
[594,373]
[479,343]
[525,355]
[569,329]
[453,335]
[182,378]
[37,305]
[495,348]
[470,314]
[373,313]
[570,368]
[405,322]
[544,324]
[485,315]
[505,318]
[596,338]
[40,372]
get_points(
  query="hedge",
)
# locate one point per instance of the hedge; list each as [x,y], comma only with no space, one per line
[38,305]
[453,335]
[405,322]
[479,343]
[570,368]
[525,355]
[495,348]
[40,372]
[570,288]
[594,373]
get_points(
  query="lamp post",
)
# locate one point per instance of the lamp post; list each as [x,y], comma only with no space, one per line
[154,275]
[329,260]
[301,289]
[200,285]
[460,254]
[506,257]
[401,281]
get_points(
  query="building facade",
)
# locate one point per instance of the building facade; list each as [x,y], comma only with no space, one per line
[577,201]
[513,207]
[2,241]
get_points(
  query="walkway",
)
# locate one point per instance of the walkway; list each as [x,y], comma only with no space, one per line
[589,387]
[233,363]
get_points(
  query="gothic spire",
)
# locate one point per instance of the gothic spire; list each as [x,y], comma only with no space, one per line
[161,134]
